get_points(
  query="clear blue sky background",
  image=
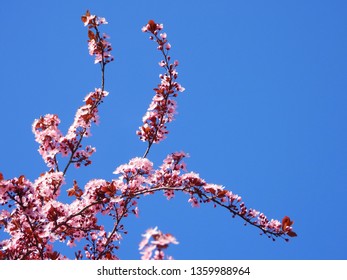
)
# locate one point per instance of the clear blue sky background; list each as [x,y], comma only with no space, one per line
[264,112]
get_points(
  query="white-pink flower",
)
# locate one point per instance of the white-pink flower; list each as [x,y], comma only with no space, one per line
[194,202]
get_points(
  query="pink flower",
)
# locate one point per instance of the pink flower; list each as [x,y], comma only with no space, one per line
[147,252]
[192,179]
[88,19]
[47,186]
[194,202]
[159,242]
[147,235]
[162,63]
[136,165]
[92,20]
[169,194]
[275,225]
[163,240]
[48,136]
[101,20]
[213,188]
[253,213]
[71,243]
[180,88]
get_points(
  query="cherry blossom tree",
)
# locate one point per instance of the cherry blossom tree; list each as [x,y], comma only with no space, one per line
[33,214]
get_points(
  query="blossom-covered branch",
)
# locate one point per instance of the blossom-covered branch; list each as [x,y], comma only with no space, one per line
[163,106]
[38,215]
[172,177]
[52,141]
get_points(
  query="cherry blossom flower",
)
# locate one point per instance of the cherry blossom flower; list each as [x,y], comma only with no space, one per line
[47,135]
[155,246]
[194,202]
[47,186]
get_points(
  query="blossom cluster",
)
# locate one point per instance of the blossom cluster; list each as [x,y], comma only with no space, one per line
[53,142]
[163,106]
[39,219]
[97,44]
[154,242]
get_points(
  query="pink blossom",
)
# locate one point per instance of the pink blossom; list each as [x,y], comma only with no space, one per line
[180,88]
[82,156]
[192,179]
[162,63]
[147,252]
[174,160]
[89,19]
[92,190]
[92,20]
[253,213]
[194,202]
[169,194]
[136,165]
[147,235]
[158,243]
[71,243]
[275,225]
[48,136]
[163,240]
[101,20]
[47,186]
[213,188]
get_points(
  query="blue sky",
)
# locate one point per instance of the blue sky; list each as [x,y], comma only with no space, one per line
[264,112]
